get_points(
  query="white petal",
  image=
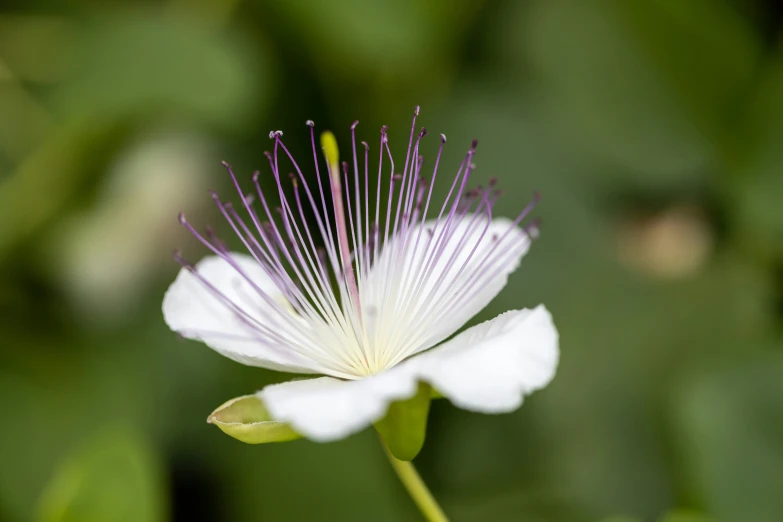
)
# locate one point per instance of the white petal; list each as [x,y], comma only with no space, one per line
[487,368]
[439,297]
[326,409]
[193,310]
[475,301]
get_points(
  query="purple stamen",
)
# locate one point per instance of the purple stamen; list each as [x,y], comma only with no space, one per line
[364,293]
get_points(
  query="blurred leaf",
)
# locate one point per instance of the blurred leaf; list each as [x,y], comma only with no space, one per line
[138,63]
[405,425]
[25,122]
[649,85]
[247,419]
[593,438]
[513,502]
[35,47]
[755,191]
[731,439]
[348,480]
[686,516]
[374,60]
[114,478]
[48,178]
[349,36]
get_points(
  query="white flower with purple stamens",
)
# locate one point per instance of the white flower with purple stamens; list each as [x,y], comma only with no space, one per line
[370,300]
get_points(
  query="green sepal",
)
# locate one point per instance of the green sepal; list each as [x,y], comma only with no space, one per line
[247,419]
[405,425]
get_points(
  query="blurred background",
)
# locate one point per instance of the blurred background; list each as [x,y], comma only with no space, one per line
[653,130]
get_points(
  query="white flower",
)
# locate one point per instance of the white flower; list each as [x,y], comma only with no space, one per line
[369,311]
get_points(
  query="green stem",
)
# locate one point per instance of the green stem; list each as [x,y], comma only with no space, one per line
[417,489]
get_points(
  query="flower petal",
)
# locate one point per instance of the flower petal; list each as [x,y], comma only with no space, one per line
[326,409]
[441,279]
[195,311]
[487,368]
[516,244]
[490,367]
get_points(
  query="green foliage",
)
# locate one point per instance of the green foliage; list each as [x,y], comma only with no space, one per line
[649,85]
[134,63]
[246,419]
[686,516]
[113,478]
[56,169]
[736,481]
[756,185]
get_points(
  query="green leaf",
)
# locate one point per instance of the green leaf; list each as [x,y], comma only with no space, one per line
[61,164]
[114,478]
[247,419]
[686,516]
[731,439]
[755,188]
[405,425]
[646,85]
[141,63]
[348,36]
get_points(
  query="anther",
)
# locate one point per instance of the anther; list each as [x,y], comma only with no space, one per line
[532,230]
[353,126]
[443,138]
[310,123]
[366,146]
[182,261]
[181,218]
[417,110]
[474,145]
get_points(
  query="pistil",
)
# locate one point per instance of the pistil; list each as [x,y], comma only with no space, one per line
[329,146]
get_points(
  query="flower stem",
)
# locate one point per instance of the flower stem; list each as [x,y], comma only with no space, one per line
[417,489]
